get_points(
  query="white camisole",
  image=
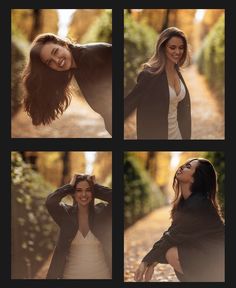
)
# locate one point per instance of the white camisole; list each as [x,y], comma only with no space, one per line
[173,127]
[86,259]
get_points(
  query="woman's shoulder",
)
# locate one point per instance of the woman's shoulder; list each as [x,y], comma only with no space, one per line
[147,73]
[96,46]
[197,203]
[101,207]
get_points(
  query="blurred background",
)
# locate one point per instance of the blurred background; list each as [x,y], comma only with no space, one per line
[35,174]
[148,194]
[205,76]
[81,26]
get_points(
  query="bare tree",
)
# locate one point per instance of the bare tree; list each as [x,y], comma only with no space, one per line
[66,167]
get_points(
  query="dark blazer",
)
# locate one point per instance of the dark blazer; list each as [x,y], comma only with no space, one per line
[94,77]
[198,233]
[151,98]
[66,217]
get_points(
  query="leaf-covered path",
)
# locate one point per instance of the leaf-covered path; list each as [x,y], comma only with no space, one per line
[139,239]
[78,121]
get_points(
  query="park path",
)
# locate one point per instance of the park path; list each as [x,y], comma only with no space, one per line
[78,121]
[207,112]
[139,239]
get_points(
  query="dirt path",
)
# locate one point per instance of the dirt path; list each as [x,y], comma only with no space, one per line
[207,114]
[78,121]
[139,239]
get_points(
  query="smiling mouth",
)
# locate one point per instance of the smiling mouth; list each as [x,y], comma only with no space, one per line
[84,199]
[61,63]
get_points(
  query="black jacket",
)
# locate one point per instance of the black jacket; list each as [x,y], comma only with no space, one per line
[151,98]
[94,77]
[66,217]
[198,233]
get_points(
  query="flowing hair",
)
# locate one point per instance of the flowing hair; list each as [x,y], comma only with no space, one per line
[89,179]
[205,183]
[156,64]
[47,93]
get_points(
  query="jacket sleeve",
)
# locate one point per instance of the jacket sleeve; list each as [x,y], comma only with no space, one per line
[132,99]
[195,222]
[158,251]
[56,209]
[103,193]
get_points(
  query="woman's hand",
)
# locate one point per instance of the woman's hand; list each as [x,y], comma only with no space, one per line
[72,181]
[92,178]
[146,270]
[88,177]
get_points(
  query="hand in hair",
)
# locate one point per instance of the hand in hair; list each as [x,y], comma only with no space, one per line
[87,177]
[73,179]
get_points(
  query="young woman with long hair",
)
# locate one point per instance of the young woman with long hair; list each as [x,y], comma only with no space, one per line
[161,95]
[194,243]
[84,246]
[53,62]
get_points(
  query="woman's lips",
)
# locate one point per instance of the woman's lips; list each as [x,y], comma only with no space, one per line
[61,62]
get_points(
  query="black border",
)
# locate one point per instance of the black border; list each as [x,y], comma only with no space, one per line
[116,144]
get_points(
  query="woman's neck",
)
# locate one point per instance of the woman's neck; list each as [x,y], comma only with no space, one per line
[73,64]
[170,67]
[83,210]
[185,190]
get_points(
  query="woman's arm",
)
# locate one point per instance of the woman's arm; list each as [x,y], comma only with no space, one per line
[56,209]
[132,99]
[103,193]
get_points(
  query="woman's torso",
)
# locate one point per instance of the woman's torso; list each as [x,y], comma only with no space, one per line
[174,99]
[86,259]
[153,108]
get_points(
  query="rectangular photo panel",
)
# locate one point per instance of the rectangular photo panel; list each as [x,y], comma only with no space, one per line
[61,77]
[174,207]
[61,215]
[174,79]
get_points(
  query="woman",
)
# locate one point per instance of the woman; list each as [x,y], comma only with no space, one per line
[53,62]
[161,95]
[194,243]
[84,247]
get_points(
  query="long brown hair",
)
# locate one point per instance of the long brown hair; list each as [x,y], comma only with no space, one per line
[47,92]
[205,183]
[156,64]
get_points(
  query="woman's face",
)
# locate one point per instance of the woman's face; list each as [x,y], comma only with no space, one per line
[174,49]
[83,193]
[185,172]
[56,57]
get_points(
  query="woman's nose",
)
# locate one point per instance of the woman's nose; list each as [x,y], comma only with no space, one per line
[55,59]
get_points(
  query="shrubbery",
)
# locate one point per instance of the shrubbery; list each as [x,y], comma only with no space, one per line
[33,233]
[218,161]
[17,60]
[139,45]
[141,194]
[211,57]
[101,30]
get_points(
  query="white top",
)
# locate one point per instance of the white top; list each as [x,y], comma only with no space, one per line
[86,259]
[173,127]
